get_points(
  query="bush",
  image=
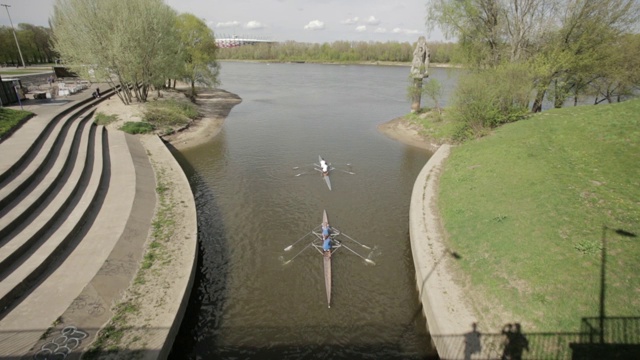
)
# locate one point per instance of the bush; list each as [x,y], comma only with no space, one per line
[135,127]
[489,98]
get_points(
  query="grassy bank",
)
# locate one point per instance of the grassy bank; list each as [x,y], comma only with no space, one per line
[10,118]
[526,206]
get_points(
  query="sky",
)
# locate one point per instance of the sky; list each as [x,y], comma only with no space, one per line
[312,21]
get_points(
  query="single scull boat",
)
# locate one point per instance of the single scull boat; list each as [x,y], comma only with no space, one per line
[324,175]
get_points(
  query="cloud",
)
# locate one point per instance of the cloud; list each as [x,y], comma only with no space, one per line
[314,25]
[253,25]
[361,28]
[380,30]
[372,20]
[227,24]
[405,31]
[351,21]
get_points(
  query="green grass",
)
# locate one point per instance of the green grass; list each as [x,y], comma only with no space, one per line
[137,127]
[169,115]
[104,119]
[526,206]
[438,127]
[10,118]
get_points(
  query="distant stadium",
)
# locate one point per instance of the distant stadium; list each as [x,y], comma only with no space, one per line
[236,41]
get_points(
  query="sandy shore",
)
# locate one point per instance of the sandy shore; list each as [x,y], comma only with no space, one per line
[214,106]
[408,133]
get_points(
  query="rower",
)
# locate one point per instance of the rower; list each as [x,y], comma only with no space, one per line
[326,239]
[324,167]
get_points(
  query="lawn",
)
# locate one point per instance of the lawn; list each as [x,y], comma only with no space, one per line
[526,207]
[10,118]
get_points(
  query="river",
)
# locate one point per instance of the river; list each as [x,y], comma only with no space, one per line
[256,193]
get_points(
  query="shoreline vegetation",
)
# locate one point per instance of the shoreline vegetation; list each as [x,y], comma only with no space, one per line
[373,63]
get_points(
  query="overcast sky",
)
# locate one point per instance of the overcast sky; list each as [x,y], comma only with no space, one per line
[315,21]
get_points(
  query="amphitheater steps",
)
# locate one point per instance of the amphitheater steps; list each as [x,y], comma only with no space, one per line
[67,199]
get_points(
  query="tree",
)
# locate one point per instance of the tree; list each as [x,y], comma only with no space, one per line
[129,44]
[198,51]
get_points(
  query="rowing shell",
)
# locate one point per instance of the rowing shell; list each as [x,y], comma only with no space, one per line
[335,243]
[326,177]
[327,262]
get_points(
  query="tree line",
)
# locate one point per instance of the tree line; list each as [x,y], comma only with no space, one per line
[523,52]
[35,45]
[338,51]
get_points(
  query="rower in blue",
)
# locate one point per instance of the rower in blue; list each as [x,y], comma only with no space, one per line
[326,239]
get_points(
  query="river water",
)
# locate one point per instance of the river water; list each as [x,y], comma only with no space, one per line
[246,303]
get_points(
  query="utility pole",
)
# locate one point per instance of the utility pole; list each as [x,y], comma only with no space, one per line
[14,33]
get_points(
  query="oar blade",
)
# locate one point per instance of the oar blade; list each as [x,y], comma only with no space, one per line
[369,261]
[288,248]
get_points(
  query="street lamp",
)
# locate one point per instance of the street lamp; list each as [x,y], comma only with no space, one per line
[14,33]
[602,271]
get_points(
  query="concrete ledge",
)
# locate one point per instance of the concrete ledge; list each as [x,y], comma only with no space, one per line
[444,303]
[184,267]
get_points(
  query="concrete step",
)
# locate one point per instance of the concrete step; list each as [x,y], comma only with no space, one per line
[31,201]
[32,133]
[22,272]
[32,315]
[26,223]
[32,166]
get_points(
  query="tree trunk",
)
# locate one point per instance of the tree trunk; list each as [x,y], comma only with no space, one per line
[537,103]
[417,95]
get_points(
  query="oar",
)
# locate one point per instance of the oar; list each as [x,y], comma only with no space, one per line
[356,241]
[348,172]
[368,261]
[300,252]
[297,241]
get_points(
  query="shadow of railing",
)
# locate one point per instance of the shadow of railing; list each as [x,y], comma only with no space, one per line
[621,340]
[496,346]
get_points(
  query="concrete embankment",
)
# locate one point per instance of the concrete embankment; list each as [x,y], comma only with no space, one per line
[444,304]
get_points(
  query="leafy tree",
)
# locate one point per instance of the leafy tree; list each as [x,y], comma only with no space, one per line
[198,51]
[129,44]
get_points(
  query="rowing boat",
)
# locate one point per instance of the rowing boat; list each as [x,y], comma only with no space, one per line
[335,243]
[325,176]
[327,260]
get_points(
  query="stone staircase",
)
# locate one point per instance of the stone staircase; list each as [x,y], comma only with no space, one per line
[70,192]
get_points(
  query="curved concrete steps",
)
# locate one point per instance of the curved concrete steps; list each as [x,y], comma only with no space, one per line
[71,203]
[70,157]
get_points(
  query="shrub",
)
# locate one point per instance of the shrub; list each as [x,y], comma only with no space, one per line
[489,98]
[135,127]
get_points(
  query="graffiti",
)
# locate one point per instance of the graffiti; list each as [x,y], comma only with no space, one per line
[61,346]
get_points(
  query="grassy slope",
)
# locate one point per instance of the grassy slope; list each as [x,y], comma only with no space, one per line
[10,118]
[526,206]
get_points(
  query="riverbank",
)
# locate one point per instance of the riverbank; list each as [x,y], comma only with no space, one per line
[407,132]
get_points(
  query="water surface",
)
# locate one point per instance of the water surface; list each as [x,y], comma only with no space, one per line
[251,205]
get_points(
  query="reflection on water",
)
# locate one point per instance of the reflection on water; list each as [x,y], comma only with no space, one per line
[251,205]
